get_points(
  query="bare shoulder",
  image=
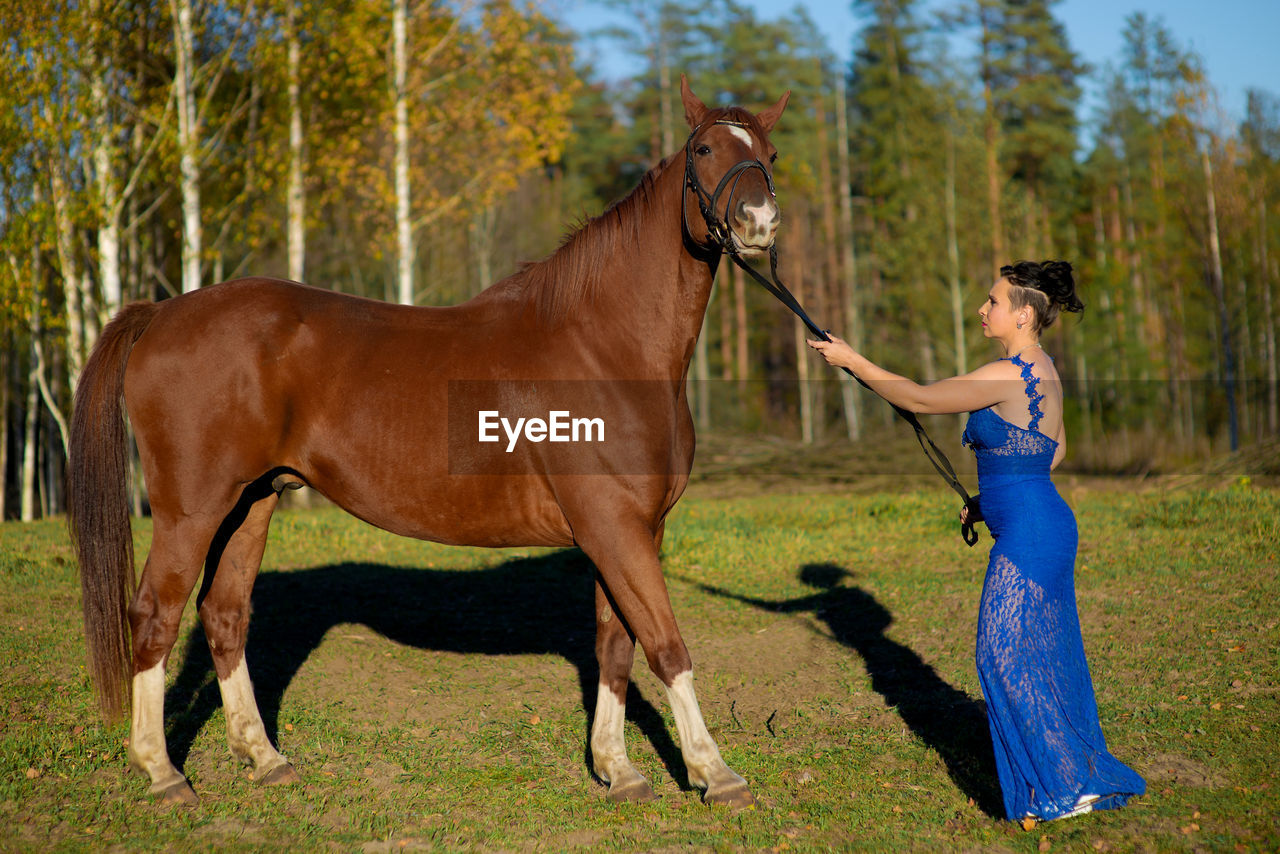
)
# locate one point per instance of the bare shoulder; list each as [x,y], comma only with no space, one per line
[1000,370]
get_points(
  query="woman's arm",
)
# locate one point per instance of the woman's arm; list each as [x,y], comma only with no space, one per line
[991,384]
[1062,447]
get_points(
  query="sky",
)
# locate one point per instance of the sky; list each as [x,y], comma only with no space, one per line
[1236,39]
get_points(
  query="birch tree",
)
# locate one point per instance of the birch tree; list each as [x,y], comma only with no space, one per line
[188,139]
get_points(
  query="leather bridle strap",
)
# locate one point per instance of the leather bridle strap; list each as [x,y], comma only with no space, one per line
[718,229]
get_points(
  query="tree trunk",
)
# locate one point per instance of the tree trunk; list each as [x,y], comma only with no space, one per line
[188,143]
[990,142]
[848,262]
[1219,296]
[953,262]
[1268,318]
[5,360]
[404,226]
[296,193]
[29,486]
[104,169]
[73,286]
[802,355]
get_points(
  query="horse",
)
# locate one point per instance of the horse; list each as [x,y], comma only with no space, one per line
[241,390]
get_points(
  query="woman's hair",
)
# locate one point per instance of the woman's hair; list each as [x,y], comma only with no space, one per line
[1046,286]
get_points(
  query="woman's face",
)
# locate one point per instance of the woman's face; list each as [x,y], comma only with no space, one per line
[999,317]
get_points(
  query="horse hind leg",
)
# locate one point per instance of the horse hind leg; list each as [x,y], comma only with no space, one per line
[173,565]
[615,652]
[224,612]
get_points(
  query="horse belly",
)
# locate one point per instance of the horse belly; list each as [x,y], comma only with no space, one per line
[382,453]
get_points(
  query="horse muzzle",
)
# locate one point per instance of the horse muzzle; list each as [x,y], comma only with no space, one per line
[755,227]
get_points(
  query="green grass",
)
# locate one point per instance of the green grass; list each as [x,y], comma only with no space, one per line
[432,698]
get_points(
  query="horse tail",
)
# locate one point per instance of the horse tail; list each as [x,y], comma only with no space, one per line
[98,505]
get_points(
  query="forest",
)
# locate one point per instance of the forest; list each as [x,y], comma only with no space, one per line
[418,151]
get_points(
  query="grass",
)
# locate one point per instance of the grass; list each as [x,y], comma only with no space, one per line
[436,698]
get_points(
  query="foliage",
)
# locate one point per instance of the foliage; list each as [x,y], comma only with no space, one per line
[514,140]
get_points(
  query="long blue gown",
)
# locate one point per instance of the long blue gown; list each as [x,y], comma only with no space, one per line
[1049,748]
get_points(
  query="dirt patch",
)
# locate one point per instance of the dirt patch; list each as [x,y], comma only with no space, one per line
[1172,769]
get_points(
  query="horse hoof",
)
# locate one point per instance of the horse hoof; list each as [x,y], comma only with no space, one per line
[736,797]
[179,794]
[281,775]
[634,791]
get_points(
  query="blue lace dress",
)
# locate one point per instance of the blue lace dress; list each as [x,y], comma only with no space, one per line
[1050,753]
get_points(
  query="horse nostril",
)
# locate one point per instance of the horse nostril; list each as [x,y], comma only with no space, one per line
[762,218]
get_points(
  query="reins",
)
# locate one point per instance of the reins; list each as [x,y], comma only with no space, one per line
[719,230]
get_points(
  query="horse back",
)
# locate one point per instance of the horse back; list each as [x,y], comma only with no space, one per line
[353,395]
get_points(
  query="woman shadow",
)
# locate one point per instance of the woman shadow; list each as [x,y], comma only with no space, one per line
[943,717]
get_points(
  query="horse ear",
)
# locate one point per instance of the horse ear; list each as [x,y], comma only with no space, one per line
[694,109]
[768,118]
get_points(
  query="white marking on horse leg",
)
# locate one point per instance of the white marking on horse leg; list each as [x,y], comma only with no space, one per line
[707,769]
[608,746]
[147,750]
[741,133]
[246,735]
[609,750]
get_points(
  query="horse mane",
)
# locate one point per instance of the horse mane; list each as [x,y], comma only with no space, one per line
[569,276]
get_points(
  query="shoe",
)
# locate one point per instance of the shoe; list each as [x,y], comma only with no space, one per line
[1084,806]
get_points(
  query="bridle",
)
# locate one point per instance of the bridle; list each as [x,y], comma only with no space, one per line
[718,228]
[721,234]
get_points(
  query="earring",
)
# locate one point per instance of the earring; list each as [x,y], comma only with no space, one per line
[1019,325]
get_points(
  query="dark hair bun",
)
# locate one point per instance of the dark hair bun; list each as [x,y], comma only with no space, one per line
[1051,278]
[1056,282]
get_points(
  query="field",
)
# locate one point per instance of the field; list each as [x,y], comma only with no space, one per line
[438,698]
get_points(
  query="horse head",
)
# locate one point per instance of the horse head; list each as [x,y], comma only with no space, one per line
[729,150]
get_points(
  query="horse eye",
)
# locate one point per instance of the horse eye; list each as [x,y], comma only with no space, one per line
[773,158]
[703,149]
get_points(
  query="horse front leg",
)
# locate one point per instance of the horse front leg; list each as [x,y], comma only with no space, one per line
[707,769]
[615,652]
[627,560]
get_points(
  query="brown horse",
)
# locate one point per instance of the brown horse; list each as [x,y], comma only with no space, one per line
[240,390]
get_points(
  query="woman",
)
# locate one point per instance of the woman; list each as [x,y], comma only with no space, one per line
[1050,753]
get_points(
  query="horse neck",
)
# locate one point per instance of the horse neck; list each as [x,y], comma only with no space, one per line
[653,292]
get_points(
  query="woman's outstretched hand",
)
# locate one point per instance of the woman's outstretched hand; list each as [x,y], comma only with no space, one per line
[836,351]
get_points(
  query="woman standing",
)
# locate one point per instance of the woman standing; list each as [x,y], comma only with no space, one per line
[1050,753]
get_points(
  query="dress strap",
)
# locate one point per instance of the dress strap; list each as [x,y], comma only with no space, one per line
[1033,390]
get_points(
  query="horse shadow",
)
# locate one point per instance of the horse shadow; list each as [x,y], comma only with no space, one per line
[525,606]
[945,718]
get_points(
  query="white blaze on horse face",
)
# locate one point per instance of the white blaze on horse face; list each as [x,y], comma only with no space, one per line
[245,733]
[740,133]
[147,751]
[701,755]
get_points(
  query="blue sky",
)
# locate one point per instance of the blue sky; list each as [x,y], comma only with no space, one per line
[1236,39]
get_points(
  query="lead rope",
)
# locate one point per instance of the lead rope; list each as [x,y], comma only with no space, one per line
[931,450]
[719,231]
